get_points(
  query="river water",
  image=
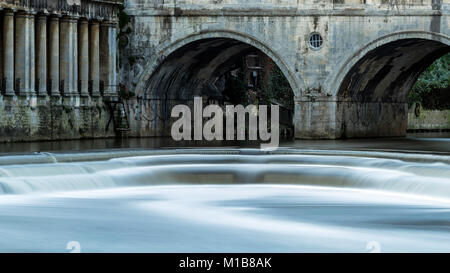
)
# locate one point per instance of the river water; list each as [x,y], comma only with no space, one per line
[368,196]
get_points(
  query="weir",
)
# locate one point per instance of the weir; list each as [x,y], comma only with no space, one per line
[299,200]
[420,175]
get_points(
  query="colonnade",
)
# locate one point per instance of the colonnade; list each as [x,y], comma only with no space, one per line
[57,55]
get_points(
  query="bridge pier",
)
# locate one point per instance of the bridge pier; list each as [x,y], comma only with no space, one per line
[316,119]
[372,119]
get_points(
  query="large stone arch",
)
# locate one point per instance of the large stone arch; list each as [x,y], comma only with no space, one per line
[372,86]
[168,48]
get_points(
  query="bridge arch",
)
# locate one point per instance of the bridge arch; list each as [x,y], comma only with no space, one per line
[374,83]
[169,48]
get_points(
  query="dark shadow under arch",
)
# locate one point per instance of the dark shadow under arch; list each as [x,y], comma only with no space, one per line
[193,69]
[374,93]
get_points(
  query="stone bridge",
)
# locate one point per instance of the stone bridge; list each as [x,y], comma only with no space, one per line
[350,63]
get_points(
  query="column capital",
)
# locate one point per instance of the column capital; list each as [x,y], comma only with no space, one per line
[8,12]
[69,19]
[83,21]
[108,23]
[42,16]
[55,14]
[21,14]
[94,22]
[25,13]
[31,12]
[43,13]
[54,17]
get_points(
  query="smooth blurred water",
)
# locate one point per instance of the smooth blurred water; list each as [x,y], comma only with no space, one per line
[225,200]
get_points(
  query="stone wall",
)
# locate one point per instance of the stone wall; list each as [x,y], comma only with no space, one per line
[429,120]
[23,119]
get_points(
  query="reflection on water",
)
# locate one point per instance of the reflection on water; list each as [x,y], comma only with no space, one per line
[417,142]
[440,135]
[225,200]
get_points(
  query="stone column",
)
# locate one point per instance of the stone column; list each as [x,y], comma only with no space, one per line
[41,53]
[74,28]
[2,87]
[8,52]
[83,68]
[104,60]
[54,56]
[66,49]
[22,57]
[108,54]
[113,59]
[94,58]
[32,69]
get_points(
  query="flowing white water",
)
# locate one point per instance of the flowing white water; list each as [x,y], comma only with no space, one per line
[225,200]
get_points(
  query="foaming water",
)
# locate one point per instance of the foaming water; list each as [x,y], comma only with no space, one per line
[430,179]
[225,200]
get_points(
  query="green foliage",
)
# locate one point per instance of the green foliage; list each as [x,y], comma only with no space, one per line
[433,86]
[279,89]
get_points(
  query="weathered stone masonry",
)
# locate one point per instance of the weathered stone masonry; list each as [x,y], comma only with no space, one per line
[57,68]
[355,85]
[59,60]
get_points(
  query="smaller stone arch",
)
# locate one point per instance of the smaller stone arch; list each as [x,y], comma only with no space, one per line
[339,75]
[372,86]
